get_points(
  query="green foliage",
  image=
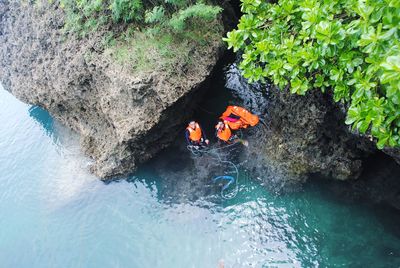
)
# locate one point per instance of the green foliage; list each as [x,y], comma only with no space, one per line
[156,15]
[150,34]
[127,10]
[147,34]
[197,11]
[177,3]
[84,16]
[351,47]
[155,48]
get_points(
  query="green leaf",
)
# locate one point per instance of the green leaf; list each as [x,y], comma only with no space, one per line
[353,115]
[392,63]
[364,126]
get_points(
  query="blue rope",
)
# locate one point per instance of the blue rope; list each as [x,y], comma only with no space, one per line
[214,153]
[230,180]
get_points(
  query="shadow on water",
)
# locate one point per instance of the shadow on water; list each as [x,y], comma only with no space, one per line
[43,118]
[377,190]
[188,177]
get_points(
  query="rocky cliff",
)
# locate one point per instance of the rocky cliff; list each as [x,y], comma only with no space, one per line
[124,118]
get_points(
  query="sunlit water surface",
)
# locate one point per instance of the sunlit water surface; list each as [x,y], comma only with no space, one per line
[53,213]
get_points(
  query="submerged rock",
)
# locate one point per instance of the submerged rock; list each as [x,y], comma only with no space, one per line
[123,118]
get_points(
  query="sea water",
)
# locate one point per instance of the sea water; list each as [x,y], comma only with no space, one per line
[54,213]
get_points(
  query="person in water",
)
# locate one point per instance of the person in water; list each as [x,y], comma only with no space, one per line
[224,132]
[195,135]
[234,118]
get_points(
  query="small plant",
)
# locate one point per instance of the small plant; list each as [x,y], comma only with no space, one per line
[127,10]
[147,35]
[159,48]
[197,11]
[84,16]
[156,15]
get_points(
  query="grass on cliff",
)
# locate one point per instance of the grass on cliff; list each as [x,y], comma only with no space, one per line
[157,48]
[147,34]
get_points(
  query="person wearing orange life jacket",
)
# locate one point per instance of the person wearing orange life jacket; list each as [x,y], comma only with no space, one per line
[223,132]
[194,135]
[238,117]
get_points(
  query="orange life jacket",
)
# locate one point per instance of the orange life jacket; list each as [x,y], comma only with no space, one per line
[246,118]
[224,133]
[194,134]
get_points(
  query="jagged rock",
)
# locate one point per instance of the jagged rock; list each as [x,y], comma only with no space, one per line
[123,119]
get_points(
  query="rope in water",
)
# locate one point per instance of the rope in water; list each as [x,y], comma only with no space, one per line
[213,152]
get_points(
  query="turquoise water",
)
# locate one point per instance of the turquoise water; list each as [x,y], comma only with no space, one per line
[53,213]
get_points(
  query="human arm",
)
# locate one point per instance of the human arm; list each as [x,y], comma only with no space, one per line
[187,137]
[203,134]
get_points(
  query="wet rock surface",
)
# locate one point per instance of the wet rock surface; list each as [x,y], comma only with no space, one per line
[123,119]
[379,182]
[189,177]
